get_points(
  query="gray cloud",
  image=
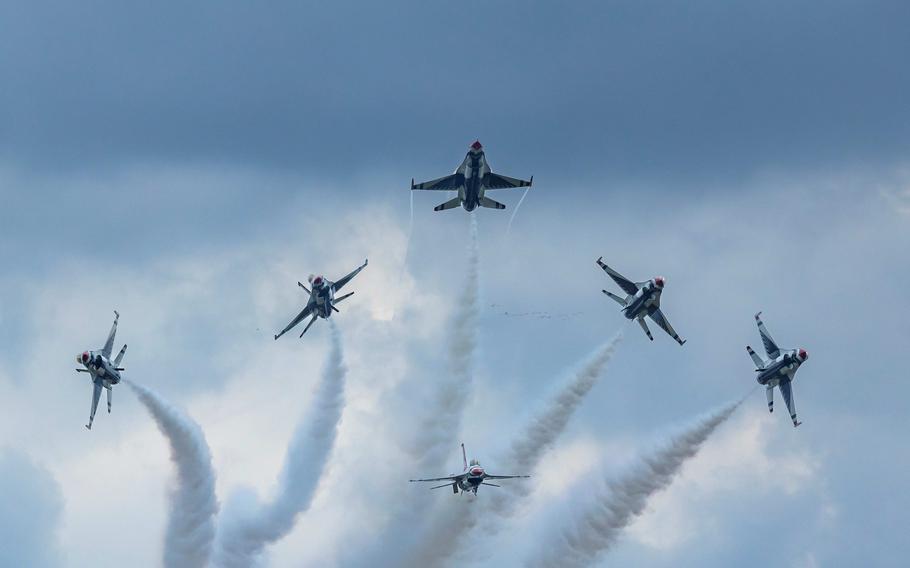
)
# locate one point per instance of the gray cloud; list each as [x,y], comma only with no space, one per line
[31,512]
[631,87]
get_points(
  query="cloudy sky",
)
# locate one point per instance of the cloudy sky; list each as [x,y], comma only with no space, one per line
[187,164]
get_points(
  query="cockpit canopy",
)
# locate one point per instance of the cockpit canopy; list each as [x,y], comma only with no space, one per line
[472,463]
[659,281]
[316,281]
[83,358]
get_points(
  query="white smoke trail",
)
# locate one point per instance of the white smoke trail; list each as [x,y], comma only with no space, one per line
[191,525]
[436,439]
[515,212]
[527,450]
[542,431]
[407,244]
[598,528]
[243,538]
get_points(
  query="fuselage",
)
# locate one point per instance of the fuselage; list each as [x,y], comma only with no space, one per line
[322,296]
[781,369]
[473,479]
[100,367]
[644,302]
[472,169]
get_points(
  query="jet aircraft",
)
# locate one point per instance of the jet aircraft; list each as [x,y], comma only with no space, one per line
[104,372]
[471,180]
[779,371]
[643,299]
[473,476]
[322,299]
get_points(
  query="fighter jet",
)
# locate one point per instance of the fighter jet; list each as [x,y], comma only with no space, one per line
[471,180]
[468,481]
[322,299]
[779,370]
[104,372]
[643,299]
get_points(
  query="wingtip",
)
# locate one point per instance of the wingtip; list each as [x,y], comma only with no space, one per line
[413,186]
[758,316]
[531,181]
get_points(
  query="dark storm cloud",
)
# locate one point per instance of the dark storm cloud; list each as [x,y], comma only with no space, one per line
[631,88]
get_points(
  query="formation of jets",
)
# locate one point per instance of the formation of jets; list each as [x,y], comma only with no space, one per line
[470,479]
[471,180]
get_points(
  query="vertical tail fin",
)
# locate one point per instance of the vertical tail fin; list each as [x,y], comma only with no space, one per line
[464,456]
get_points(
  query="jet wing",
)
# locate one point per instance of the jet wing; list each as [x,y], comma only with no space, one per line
[661,320]
[787,392]
[342,281]
[449,478]
[109,344]
[771,347]
[505,476]
[445,183]
[300,317]
[496,181]
[627,285]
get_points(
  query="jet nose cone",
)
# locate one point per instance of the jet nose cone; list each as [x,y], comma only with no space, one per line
[477,145]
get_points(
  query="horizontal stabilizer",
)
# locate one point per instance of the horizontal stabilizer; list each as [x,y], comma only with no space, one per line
[756,358]
[491,203]
[450,204]
[615,298]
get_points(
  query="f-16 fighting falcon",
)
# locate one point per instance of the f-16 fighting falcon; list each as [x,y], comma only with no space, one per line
[104,372]
[471,180]
[473,477]
[643,299]
[779,371]
[322,299]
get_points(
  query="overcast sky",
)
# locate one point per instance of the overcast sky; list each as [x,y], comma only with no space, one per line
[187,164]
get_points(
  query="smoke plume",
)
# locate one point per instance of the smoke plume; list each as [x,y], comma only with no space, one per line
[191,525]
[528,448]
[597,529]
[435,442]
[243,537]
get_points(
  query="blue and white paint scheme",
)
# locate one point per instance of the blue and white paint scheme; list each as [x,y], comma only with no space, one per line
[473,476]
[322,299]
[779,370]
[104,372]
[642,299]
[471,180]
